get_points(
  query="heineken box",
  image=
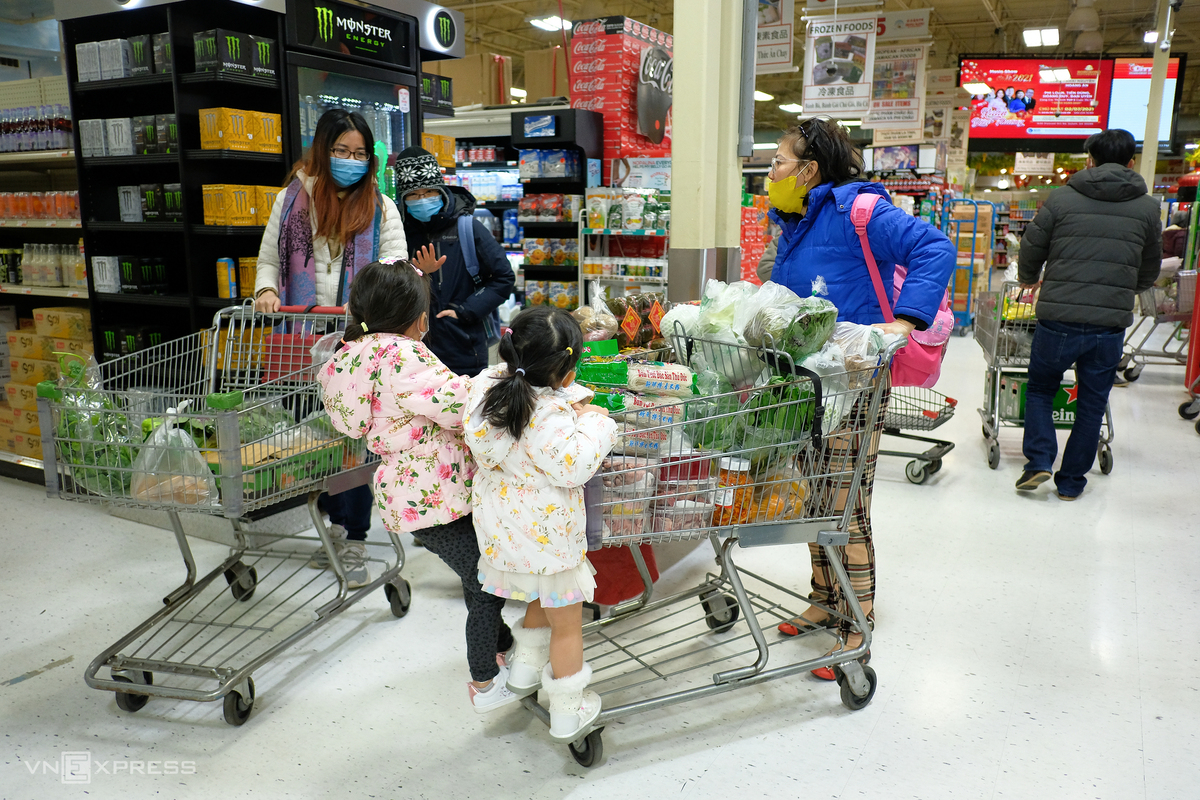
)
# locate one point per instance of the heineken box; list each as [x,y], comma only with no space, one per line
[1012,400]
[173,200]
[220,50]
[166,134]
[145,135]
[152,201]
[141,55]
[163,60]
[262,57]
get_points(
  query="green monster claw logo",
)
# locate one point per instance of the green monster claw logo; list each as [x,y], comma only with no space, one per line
[110,340]
[131,342]
[139,53]
[234,45]
[127,271]
[325,23]
[154,339]
[264,52]
[209,47]
[444,29]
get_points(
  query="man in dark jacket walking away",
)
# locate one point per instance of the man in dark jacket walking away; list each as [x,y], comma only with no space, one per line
[459,303]
[1100,240]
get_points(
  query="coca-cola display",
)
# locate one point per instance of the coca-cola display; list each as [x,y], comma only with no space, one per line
[623,69]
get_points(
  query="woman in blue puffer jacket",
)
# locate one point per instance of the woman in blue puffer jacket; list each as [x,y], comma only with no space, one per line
[815,176]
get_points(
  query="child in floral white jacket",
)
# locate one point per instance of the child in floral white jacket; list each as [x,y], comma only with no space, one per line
[537,442]
[384,385]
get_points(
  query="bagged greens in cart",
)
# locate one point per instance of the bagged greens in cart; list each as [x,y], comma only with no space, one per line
[94,438]
[170,468]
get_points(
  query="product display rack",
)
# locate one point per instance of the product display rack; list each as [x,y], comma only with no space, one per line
[190,247]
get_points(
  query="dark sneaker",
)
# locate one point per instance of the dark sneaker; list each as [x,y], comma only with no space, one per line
[1030,480]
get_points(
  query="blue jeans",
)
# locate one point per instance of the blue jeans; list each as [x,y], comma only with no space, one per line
[351,509]
[1095,351]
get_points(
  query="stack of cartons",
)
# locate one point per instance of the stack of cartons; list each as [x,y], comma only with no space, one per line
[972,234]
[8,324]
[237,129]
[236,204]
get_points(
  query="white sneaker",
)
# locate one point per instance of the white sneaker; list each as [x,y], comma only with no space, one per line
[354,562]
[494,696]
[320,558]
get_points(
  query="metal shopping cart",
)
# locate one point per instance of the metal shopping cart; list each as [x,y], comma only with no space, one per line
[1167,304]
[754,468]
[1004,329]
[915,409]
[232,419]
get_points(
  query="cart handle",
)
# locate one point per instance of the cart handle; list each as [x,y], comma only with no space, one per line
[312,310]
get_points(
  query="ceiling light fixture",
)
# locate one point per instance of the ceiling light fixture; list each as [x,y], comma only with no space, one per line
[1041,37]
[552,23]
[850,123]
[762,97]
[1150,37]
[1084,17]
[1089,42]
[515,92]
[1047,75]
[792,108]
[977,88]
[1063,75]
[765,145]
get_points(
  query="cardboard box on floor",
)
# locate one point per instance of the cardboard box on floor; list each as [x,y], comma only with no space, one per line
[545,74]
[20,395]
[483,78]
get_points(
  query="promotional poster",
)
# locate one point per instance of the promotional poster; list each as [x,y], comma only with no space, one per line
[898,89]
[1032,99]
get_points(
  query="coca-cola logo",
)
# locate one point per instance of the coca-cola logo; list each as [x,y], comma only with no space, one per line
[591,27]
[655,82]
[589,47]
[658,69]
[589,104]
[592,85]
[589,67]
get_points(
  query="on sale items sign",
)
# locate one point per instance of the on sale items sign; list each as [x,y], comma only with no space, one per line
[898,89]
[839,63]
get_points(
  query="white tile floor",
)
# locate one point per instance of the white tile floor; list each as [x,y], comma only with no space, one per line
[1026,647]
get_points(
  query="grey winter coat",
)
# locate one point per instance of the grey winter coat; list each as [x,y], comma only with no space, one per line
[1100,240]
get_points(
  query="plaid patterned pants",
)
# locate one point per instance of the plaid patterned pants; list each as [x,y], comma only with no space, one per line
[858,555]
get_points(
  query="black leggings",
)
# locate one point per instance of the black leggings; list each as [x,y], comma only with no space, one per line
[487,634]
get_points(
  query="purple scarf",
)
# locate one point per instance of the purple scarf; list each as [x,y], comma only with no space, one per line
[297,268]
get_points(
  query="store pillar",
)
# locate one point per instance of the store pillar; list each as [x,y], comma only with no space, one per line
[1158,80]
[706,177]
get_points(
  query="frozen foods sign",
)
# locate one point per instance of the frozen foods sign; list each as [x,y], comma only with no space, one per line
[839,63]
[775,48]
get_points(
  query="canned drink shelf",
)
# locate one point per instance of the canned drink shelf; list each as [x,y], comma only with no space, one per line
[40,223]
[44,291]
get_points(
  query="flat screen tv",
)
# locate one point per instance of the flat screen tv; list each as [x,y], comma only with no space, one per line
[1043,104]
[1131,96]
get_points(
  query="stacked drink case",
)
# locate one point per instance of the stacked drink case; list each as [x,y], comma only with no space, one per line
[39,205]
[35,128]
[111,59]
[623,69]
[128,136]
[38,264]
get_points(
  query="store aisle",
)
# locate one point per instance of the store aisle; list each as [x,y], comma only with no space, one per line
[1026,647]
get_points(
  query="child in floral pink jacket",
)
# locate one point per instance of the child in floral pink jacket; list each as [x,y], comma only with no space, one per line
[384,385]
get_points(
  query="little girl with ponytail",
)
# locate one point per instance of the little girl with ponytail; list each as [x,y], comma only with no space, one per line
[537,442]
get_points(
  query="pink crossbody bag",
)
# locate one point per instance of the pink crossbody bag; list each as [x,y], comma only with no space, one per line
[918,363]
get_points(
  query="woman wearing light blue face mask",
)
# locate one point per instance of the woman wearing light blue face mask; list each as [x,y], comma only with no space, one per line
[330,223]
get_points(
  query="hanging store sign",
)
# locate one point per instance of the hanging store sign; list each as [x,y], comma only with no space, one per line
[839,59]
[776,50]
[354,32]
[888,137]
[1034,164]
[898,90]
[912,24]
[960,134]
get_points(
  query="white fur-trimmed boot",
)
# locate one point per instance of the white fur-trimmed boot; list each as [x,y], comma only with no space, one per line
[572,707]
[531,652]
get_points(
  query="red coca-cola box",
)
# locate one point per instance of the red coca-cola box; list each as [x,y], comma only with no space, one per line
[621,26]
[614,82]
[605,64]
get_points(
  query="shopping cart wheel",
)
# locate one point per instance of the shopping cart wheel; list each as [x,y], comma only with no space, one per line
[132,702]
[1106,459]
[242,581]
[1134,372]
[1197,426]
[852,701]
[917,472]
[589,750]
[1190,409]
[720,611]
[993,454]
[934,466]
[1125,361]
[238,708]
[399,596]
[986,433]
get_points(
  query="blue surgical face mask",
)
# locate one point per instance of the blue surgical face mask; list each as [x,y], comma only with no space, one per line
[347,171]
[425,208]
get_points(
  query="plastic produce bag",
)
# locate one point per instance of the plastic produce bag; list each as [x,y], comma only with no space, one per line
[686,314]
[769,314]
[170,469]
[719,306]
[94,438]
[830,365]
[810,329]
[258,420]
[595,320]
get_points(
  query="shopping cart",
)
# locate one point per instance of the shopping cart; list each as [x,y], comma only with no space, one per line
[753,468]
[1004,329]
[915,409]
[969,225]
[233,426]
[1167,304]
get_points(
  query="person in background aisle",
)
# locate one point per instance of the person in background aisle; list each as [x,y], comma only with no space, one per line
[1099,238]
[1175,236]
[328,224]
[385,386]
[537,442]
[460,302]
[815,176]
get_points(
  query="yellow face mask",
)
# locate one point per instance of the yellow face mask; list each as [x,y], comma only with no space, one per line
[787,194]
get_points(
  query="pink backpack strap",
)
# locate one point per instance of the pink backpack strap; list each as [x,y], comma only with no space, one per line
[860,215]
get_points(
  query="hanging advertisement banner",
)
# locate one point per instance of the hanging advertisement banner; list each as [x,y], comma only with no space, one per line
[960,134]
[937,116]
[839,62]
[888,137]
[776,49]
[941,81]
[912,24]
[1034,164]
[898,89]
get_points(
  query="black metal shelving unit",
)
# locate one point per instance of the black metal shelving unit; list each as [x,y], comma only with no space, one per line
[190,248]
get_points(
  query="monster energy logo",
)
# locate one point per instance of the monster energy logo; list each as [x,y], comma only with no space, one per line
[325,23]
[427,85]
[150,200]
[130,342]
[171,199]
[264,52]
[444,29]
[268,127]
[237,124]
[110,340]
[147,272]
[127,271]
[173,132]
[234,45]
[139,52]
[154,338]
[208,47]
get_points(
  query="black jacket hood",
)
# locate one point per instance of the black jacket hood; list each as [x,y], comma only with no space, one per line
[1112,183]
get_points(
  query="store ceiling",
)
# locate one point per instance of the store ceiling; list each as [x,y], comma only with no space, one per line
[958,26]
[26,10]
